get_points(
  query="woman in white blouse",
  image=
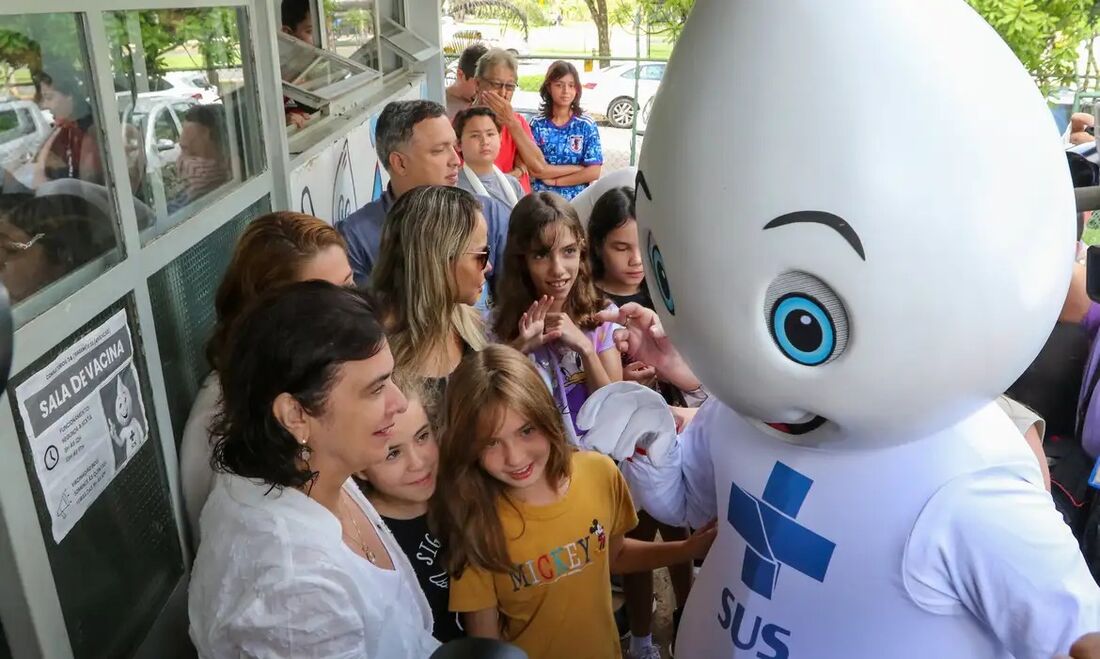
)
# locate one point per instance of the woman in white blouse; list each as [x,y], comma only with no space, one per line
[275,249]
[294,561]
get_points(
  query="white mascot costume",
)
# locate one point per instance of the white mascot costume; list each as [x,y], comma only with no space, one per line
[855,262]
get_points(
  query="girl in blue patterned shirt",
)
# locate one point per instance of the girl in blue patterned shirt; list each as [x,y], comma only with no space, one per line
[565,134]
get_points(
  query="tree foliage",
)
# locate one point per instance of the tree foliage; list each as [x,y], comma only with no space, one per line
[1045,34]
[664,17]
[212,32]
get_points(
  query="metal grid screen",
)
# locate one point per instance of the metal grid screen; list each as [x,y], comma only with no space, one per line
[125,549]
[182,296]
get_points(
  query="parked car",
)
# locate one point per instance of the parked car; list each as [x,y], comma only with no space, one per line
[23,130]
[610,92]
[191,85]
[159,122]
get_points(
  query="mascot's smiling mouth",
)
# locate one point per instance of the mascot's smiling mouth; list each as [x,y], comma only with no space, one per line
[798,428]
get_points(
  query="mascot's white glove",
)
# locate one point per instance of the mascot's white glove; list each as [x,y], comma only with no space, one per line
[625,419]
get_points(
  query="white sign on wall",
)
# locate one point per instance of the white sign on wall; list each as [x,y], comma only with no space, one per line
[85,420]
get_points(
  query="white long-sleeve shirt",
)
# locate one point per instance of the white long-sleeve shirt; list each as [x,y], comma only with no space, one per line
[274,579]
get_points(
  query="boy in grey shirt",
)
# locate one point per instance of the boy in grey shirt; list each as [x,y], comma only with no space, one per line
[478,132]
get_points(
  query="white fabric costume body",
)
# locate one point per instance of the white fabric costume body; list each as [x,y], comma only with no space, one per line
[947,547]
[855,291]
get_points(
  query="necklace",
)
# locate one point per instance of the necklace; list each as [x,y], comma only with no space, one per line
[359,537]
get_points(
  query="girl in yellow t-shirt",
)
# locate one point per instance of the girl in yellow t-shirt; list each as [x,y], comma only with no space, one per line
[534,527]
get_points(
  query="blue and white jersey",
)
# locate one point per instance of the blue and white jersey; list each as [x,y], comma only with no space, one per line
[575,143]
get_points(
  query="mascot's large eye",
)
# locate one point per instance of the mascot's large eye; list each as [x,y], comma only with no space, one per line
[657,267]
[806,319]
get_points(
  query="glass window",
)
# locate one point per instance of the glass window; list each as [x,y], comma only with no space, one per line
[350,24]
[57,212]
[652,72]
[188,109]
[313,77]
[405,43]
[629,73]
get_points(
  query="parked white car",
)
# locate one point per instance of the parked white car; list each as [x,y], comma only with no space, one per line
[610,92]
[191,85]
[23,130]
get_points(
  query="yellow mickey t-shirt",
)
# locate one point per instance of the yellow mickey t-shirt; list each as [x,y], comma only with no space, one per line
[555,602]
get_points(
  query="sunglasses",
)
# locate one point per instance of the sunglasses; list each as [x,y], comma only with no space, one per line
[482,257]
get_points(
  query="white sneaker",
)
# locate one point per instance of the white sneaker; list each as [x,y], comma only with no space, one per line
[651,652]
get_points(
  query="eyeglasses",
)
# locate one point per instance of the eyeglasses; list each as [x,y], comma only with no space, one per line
[482,257]
[497,85]
[11,248]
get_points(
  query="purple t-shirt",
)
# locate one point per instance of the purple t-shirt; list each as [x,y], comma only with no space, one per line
[565,369]
[1088,400]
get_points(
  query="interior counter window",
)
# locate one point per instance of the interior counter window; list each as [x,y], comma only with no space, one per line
[314,78]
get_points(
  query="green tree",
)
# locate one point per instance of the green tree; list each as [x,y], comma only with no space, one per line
[663,17]
[213,32]
[1045,34]
[602,19]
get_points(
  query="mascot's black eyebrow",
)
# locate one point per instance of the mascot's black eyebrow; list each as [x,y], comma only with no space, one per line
[838,224]
[640,184]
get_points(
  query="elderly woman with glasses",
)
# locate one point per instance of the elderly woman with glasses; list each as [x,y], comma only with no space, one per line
[497,74]
[434,259]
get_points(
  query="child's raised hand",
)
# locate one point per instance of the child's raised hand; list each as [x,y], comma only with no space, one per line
[568,332]
[700,541]
[640,372]
[532,326]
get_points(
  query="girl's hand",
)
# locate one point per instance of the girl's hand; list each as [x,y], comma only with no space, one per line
[643,339]
[1086,647]
[699,543]
[569,333]
[640,372]
[683,416]
[532,327]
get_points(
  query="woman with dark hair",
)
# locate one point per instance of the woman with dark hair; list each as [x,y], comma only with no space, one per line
[71,150]
[295,562]
[565,134]
[275,250]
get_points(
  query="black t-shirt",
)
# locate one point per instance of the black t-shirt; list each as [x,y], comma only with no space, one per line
[425,552]
[641,297]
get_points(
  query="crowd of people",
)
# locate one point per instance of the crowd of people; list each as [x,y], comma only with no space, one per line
[386,454]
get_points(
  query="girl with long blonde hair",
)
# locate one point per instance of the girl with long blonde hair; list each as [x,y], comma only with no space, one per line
[434,257]
[533,527]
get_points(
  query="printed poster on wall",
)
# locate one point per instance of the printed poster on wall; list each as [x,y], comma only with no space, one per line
[85,419]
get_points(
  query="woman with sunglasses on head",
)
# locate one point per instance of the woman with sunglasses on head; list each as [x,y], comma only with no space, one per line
[497,75]
[431,270]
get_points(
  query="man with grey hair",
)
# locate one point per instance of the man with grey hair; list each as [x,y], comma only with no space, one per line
[416,145]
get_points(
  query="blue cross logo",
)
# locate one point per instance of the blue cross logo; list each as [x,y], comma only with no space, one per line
[773,536]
